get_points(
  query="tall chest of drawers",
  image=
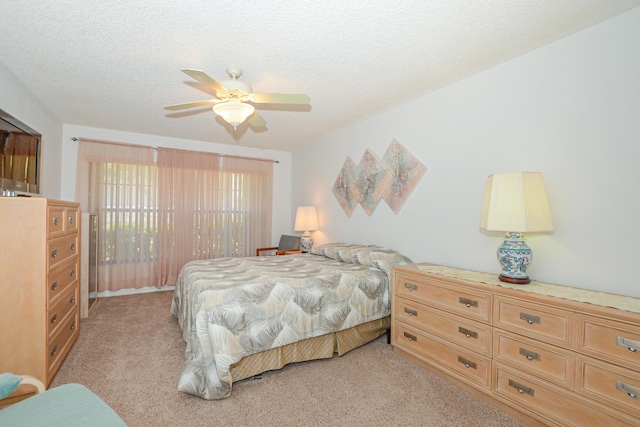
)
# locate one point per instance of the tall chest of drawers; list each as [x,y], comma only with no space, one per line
[549,354]
[39,287]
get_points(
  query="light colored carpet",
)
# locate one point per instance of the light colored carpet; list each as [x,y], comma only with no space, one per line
[130,353]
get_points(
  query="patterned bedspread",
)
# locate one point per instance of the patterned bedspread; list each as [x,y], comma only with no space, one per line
[229,308]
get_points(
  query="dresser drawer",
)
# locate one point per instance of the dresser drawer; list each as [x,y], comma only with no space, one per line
[466,365]
[57,314]
[61,220]
[61,249]
[59,346]
[467,333]
[60,279]
[546,361]
[609,340]
[551,402]
[71,219]
[448,297]
[55,221]
[547,324]
[610,384]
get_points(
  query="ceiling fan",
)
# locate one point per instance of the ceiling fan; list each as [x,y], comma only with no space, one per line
[234,98]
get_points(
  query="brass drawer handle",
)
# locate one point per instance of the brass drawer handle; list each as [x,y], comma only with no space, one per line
[72,299]
[54,253]
[530,318]
[467,333]
[54,286]
[468,302]
[72,246]
[410,287]
[54,318]
[410,312]
[530,355]
[53,351]
[56,220]
[72,326]
[631,345]
[522,389]
[632,392]
[72,272]
[467,363]
[70,220]
[410,337]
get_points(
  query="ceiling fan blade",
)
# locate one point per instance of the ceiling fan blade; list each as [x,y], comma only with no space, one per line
[256,120]
[279,98]
[204,78]
[190,104]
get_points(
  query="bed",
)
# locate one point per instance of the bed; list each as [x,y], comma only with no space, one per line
[244,316]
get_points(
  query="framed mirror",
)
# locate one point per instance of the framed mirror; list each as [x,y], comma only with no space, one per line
[19,156]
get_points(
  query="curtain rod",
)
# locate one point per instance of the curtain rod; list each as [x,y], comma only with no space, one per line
[156,148]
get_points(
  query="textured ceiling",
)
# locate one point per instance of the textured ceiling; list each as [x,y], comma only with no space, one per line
[115,64]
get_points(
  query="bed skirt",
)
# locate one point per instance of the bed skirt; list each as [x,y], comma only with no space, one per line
[322,347]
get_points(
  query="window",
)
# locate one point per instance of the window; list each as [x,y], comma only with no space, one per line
[156,216]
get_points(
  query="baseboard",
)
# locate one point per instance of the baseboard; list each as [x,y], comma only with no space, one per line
[145,290]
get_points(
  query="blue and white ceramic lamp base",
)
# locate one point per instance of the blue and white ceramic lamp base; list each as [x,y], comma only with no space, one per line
[306,242]
[514,256]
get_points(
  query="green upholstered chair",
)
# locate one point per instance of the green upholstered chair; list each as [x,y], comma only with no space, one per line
[64,406]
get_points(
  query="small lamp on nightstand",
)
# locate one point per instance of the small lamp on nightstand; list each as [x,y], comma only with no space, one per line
[306,221]
[515,203]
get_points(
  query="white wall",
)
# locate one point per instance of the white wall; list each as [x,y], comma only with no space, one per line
[570,110]
[17,100]
[282,216]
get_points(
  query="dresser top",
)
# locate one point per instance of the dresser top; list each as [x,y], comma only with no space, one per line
[598,298]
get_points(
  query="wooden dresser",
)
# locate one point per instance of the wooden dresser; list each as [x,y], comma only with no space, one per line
[547,354]
[39,291]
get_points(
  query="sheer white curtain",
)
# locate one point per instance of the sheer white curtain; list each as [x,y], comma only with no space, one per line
[119,182]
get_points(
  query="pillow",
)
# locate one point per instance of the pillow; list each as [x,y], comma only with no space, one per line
[8,383]
[369,255]
[384,259]
[338,251]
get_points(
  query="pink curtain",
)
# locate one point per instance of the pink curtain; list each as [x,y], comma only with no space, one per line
[189,188]
[119,182]
[156,216]
[246,205]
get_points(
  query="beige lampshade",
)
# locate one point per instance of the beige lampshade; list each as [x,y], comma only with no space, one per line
[306,219]
[234,111]
[516,202]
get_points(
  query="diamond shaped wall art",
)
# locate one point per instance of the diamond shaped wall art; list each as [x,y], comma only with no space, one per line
[370,180]
[391,179]
[343,188]
[405,172]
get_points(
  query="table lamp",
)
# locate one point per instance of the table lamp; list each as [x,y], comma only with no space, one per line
[306,221]
[515,203]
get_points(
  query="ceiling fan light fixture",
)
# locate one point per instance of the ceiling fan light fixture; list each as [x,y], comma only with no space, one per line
[234,111]
[232,95]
